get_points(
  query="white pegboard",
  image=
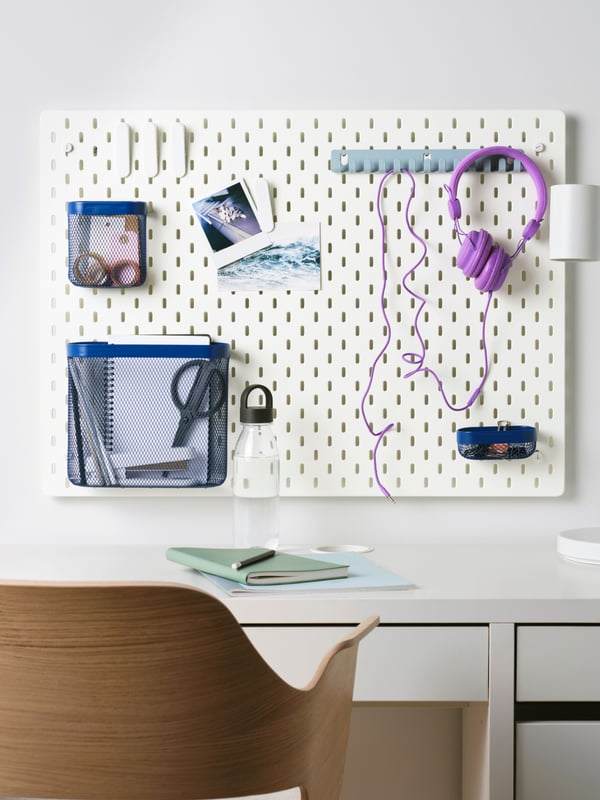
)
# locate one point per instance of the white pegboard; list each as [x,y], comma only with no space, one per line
[315,348]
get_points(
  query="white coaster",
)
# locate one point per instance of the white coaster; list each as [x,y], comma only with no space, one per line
[582,544]
[342,548]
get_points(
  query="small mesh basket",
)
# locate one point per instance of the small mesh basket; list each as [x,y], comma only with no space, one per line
[147,415]
[504,441]
[107,244]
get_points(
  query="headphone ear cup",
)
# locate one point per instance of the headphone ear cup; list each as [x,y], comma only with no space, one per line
[474,253]
[502,272]
[494,271]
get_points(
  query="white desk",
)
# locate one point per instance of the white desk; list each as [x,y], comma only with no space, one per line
[454,640]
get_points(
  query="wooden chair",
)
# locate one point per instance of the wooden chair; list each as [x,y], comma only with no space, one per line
[153,692]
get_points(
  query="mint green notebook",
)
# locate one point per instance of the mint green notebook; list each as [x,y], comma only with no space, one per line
[277,569]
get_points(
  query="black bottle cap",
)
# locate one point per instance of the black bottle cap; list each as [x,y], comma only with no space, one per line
[256,414]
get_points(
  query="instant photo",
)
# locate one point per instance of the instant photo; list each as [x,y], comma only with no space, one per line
[293,262]
[229,222]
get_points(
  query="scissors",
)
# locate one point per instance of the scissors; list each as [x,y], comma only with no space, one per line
[205,397]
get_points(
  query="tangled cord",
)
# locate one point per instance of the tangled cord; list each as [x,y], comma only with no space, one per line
[381,433]
[416,360]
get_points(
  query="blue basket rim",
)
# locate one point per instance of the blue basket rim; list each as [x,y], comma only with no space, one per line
[113,350]
[107,207]
[513,434]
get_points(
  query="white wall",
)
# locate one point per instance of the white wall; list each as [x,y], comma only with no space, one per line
[467,54]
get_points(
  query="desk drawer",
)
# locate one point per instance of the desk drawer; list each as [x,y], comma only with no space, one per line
[395,663]
[558,663]
[557,760]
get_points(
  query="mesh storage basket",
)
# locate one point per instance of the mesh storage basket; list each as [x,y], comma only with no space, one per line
[504,441]
[107,243]
[147,415]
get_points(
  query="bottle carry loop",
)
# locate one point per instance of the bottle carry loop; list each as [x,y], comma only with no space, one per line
[256,414]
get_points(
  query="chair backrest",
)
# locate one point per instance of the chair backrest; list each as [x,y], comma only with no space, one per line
[154,692]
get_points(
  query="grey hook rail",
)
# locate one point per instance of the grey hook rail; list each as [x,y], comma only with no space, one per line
[416,161]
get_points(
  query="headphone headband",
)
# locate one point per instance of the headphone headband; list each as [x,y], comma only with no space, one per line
[508,152]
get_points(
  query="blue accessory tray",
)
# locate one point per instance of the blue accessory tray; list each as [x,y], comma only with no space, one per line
[500,442]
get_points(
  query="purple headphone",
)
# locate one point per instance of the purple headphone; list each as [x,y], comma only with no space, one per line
[478,256]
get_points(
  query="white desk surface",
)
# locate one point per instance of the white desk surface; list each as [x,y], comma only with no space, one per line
[455,584]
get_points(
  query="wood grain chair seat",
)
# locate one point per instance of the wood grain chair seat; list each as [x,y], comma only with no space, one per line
[154,692]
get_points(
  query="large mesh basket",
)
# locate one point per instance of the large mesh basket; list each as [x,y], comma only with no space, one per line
[151,415]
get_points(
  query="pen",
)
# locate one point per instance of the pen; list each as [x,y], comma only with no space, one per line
[246,562]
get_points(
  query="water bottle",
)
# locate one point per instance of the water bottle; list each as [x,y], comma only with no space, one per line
[256,475]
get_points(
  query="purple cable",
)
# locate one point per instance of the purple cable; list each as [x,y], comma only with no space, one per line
[417,359]
[379,434]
